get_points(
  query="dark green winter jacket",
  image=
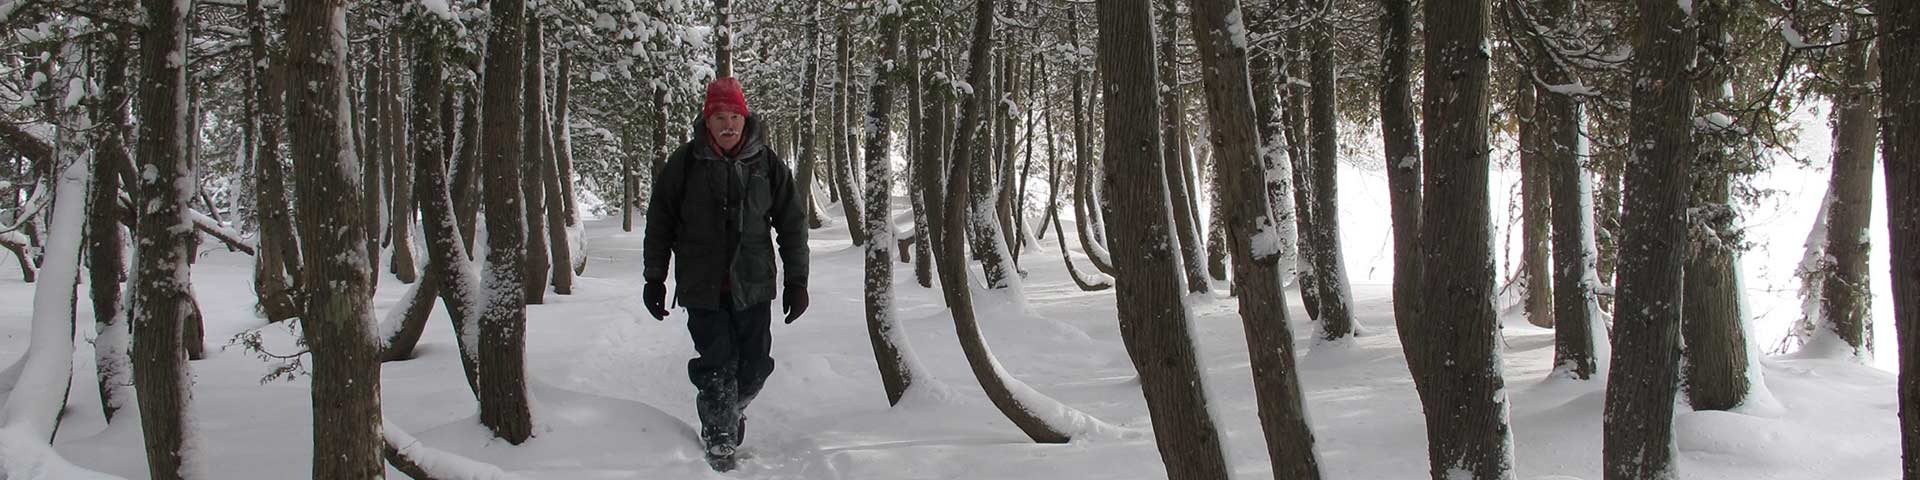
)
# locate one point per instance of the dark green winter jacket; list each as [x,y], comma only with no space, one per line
[711,215]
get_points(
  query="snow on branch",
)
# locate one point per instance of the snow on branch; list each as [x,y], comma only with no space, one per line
[422,462]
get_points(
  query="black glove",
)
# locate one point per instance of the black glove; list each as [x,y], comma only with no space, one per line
[654,296]
[794,303]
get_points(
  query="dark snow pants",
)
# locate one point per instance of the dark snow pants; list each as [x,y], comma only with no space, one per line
[732,366]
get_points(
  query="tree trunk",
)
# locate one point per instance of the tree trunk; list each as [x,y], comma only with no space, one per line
[556,187]
[1329,266]
[810,129]
[336,320]
[372,128]
[563,160]
[723,44]
[1173,115]
[1638,425]
[401,220]
[1400,141]
[277,265]
[1295,115]
[1713,326]
[163,299]
[1013,398]
[1536,210]
[106,250]
[1263,307]
[533,161]
[504,406]
[1845,295]
[1578,336]
[1082,153]
[843,182]
[468,171]
[924,132]
[1154,320]
[1900,147]
[989,245]
[448,269]
[1466,402]
[890,348]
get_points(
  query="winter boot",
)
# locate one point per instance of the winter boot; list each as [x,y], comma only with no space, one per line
[721,457]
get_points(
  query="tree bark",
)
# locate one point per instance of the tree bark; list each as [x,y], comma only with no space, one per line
[504,406]
[810,129]
[370,144]
[1238,166]
[1330,271]
[1536,205]
[999,387]
[890,351]
[336,320]
[1638,425]
[1713,327]
[163,299]
[924,132]
[448,269]
[1154,321]
[277,265]
[843,181]
[1173,115]
[1466,402]
[558,187]
[401,219]
[533,161]
[1900,149]
[1845,294]
[1400,141]
[1083,151]
[106,250]
[1577,335]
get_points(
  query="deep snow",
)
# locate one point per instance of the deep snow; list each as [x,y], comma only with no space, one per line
[613,401]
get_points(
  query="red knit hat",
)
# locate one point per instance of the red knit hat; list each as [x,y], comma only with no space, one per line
[724,95]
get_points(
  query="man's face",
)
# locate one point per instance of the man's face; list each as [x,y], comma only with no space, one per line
[726,128]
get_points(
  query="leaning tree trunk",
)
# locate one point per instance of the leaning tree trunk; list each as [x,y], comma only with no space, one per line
[1400,141]
[1900,147]
[1720,368]
[897,365]
[107,254]
[277,265]
[1154,321]
[555,184]
[1845,292]
[337,320]
[533,161]
[448,266]
[1638,423]
[504,406]
[1466,402]
[163,299]
[1238,166]
[1295,116]
[1043,419]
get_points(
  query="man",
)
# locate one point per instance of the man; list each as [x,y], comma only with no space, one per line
[711,210]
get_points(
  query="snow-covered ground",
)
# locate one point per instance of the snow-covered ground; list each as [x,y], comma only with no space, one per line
[613,400]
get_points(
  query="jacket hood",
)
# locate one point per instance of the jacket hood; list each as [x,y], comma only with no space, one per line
[753,139]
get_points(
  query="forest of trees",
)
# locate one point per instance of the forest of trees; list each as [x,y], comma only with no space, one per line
[1193,144]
